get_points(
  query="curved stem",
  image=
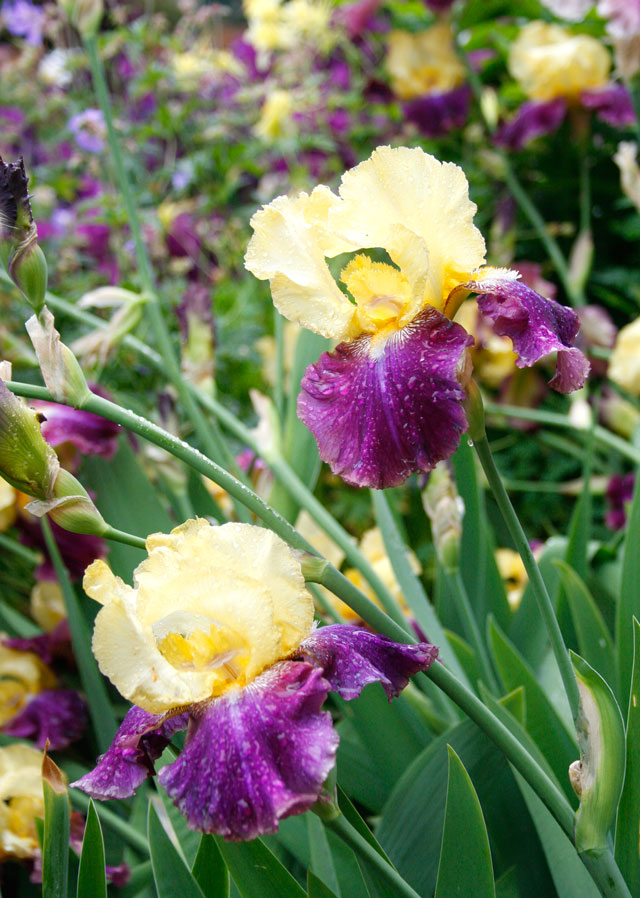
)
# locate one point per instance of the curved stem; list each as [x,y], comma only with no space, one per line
[472,629]
[127,538]
[543,599]
[361,848]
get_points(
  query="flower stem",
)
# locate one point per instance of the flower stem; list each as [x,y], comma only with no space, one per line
[535,578]
[127,538]
[361,848]
[211,439]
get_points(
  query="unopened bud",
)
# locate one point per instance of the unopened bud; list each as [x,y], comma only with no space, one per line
[60,369]
[71,507]
[474,407]
[618,414]
[445,509]
[84,15]
[19,250]
[27,461]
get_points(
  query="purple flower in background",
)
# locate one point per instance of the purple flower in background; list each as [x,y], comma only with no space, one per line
[89,130]
[57,716]
[89,434]
[387,402]
[619,494]
[218,637]
[611,103]
[531,120]
[437,114]
[24,19]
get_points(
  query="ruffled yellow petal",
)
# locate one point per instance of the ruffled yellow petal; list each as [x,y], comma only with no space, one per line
[548,62]
[211,609]
[288,249]
[21,800]
[7,505]
[424,62]
[402,199]
[624,365]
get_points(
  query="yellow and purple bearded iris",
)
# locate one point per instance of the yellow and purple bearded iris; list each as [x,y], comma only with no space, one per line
[388,401]
[217,635]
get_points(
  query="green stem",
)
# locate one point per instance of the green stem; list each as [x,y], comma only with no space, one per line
[535,578]
[573,291]
[127,538]
[472,630]
[278,326]
[513,750]
[211,439]
[606,874]
[600,434]
[100,710]
[363,849]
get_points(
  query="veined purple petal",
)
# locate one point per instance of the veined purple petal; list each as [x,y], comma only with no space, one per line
[536,326]
[56,715]
[381,411]
[255,755]
[89,433]
[140,740]
[352,657]
[532,120]
[611,103]
[437,114]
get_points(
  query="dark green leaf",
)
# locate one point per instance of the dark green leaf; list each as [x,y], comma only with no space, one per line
[257,872]
[321,860]
[629,600]
[55,849]
[316,888]
[209,870]
[170,873]
[467,872]
[527,631]
[594,639]
[628,826]
[92,880]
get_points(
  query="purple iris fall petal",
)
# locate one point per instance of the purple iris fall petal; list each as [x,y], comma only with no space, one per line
[619,494]
[140,740]
[90,434]
[58,716]
[78,550]
[437,114]
[382,410]
[611,103]
[352,657]
[532,120]
[255,755]
[536,326]
[55,644]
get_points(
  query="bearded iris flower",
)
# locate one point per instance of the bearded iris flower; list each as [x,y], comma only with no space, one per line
[388,401]
[217,635]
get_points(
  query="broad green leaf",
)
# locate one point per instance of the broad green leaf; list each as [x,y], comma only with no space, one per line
[257,872]
[128,500]
[467,872]
[629,599]
[188,839]
[465,655]
[602,758]
[594,639]
[209,870]
[171,875]
[527,631]
[628,825]
[507,885]
[357,772]
[413,818]
[316,888]
[321,860]
[92,880]
[477,552]
[543,721]
[55,848]
[93,683]
[378,886]
[411,587]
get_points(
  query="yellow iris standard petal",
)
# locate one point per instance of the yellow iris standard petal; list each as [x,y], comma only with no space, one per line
[424,62]
[212,607]
[548,61]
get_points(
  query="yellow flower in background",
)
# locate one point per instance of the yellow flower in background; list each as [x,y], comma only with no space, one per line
[493,357]
[22,676]
[21,800]
[8,503]
[276,116]
[47,604]
[274,25]
[514,574]
[373,548]
[424,62]
[624,364]
[548,61]
[211,608]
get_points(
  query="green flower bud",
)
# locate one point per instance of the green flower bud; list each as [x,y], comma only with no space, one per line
[19,250]
[598,776]
[71,507]
[60,369]
[27,461]
[445,510]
